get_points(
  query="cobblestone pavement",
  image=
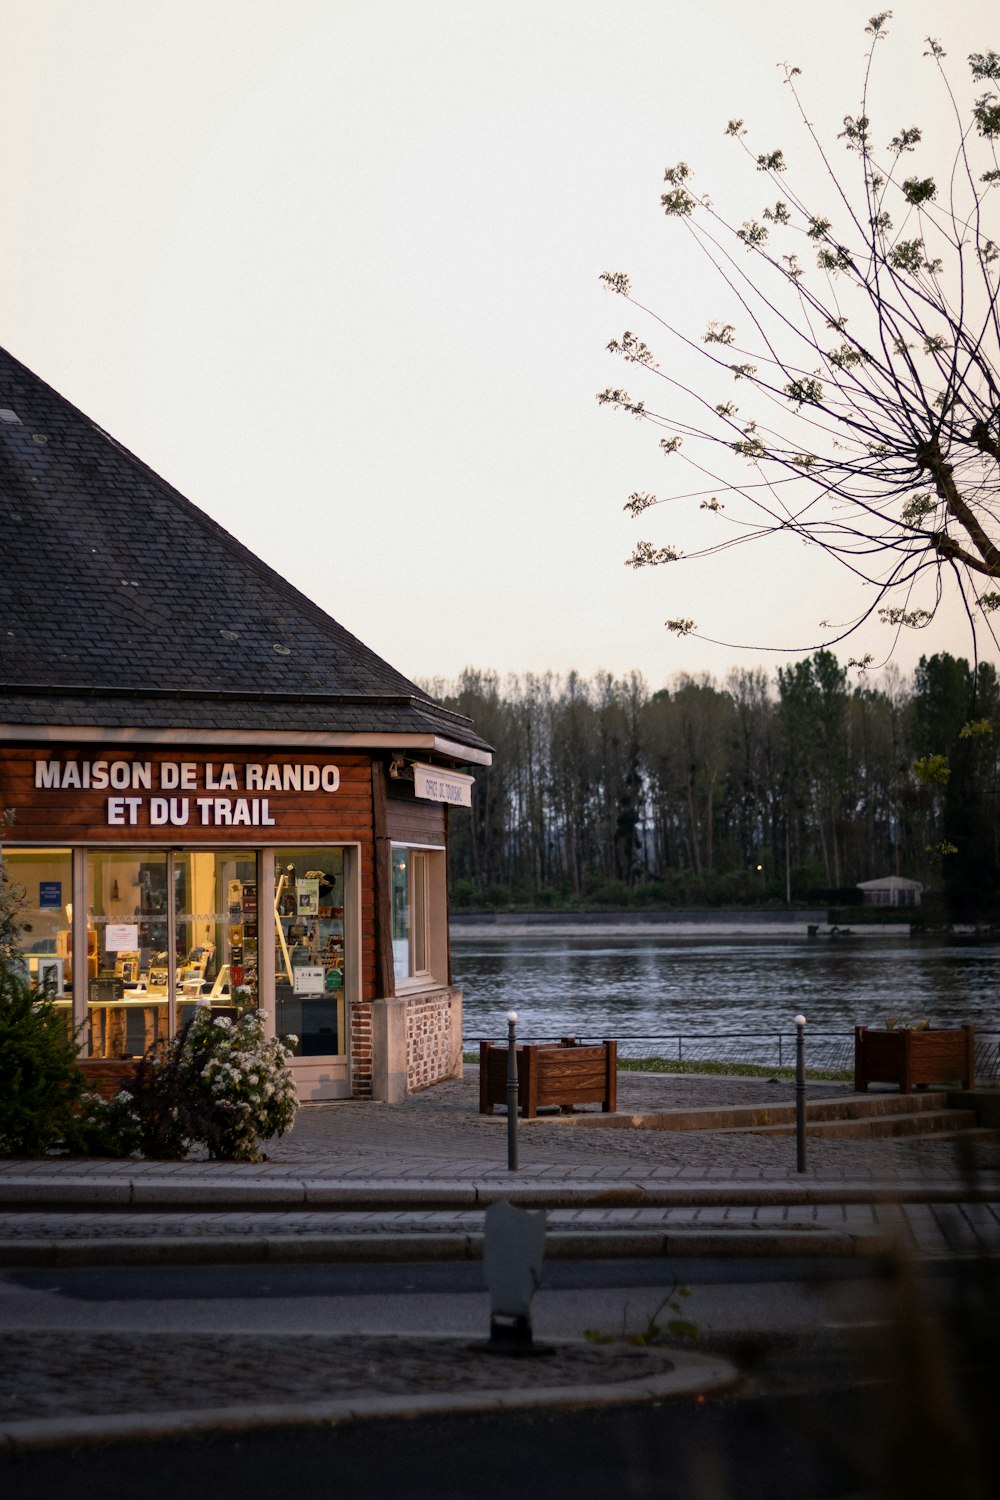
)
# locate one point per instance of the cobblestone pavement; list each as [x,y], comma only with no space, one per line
[56,1375]
[440,1133]
[52,1382]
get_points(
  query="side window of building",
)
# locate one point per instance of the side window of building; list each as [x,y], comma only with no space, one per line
[419,917]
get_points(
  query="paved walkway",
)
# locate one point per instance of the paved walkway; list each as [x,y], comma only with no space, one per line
[357,1181]
[440,1134]
[372,1181]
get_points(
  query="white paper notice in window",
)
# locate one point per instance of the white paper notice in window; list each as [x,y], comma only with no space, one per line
[308,979]
[121,937]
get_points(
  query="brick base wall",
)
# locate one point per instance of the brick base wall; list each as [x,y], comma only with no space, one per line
[105,1077]
[433,1047]
[433,1038]
[361,1049]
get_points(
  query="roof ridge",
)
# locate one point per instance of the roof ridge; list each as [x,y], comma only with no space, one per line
[321,616]
[139,600]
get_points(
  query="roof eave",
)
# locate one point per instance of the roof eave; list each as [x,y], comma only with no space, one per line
[319,741]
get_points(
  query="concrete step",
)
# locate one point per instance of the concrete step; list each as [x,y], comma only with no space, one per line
[934,1122]
[870,1105]
[151,1187]
[38,1240]
[754,1117]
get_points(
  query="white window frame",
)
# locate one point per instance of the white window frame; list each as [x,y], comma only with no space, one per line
[427,900]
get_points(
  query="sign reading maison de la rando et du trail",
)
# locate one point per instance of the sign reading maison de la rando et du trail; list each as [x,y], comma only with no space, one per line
[185,777]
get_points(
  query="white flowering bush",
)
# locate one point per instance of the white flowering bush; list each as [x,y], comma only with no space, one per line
[241,1080]
[220,1083]
[103,1127]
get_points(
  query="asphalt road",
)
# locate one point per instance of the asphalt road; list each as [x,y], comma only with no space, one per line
[728,1298]
[742,1450]
[854,1385]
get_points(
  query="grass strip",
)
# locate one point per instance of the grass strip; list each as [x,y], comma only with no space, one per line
[717,1069]
[723,1069]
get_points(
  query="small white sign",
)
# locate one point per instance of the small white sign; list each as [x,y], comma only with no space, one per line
[119,936]
[435,785]
[308,979]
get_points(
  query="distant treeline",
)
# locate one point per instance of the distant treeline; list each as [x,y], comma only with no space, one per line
[756,789]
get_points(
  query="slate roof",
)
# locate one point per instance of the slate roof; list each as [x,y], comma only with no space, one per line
[122,604]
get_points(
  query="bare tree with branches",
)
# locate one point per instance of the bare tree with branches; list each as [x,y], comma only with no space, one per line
[865,352]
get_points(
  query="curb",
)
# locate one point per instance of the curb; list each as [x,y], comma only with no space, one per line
[369,1249]
[28,1193]
[692,1375]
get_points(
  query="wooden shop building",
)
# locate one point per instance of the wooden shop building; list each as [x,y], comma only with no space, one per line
[212,790]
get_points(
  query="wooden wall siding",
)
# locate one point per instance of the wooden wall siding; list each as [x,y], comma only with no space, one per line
[410,819]
[385,969]
[70,815]
[366,875]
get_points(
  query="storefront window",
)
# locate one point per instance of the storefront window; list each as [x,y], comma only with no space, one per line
[216,930]
[42,879]
[152,959]
[167,930]
[128,952]
[310,953]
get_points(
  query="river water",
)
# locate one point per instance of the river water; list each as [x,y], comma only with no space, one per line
[648,988]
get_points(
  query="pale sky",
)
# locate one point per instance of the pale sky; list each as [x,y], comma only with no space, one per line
[331,268]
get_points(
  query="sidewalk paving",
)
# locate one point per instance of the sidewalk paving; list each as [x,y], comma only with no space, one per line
[364,1182]
[374,1181]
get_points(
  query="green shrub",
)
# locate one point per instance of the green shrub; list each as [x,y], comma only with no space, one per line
[464,894]
[39,1077]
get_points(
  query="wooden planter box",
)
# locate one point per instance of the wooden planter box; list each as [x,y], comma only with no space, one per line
[550,1073]
[908,1058]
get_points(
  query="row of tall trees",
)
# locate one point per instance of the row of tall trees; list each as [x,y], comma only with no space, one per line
[752,789]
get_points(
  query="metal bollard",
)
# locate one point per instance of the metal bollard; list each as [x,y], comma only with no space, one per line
[800,1093]
[512,1091]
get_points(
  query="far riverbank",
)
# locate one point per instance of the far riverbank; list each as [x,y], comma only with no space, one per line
[696,925]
